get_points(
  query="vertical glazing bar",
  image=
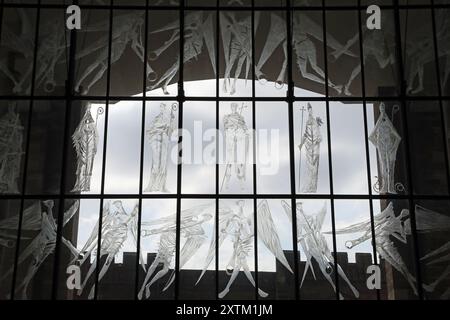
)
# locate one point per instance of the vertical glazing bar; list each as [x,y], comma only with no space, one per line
[330,163]
[105,144]
[216,231]
[404,109]
[290,100]
[255,190]
[441,106]
[141,170]
[66,136]
[180,155]
[27,149]
[366,141]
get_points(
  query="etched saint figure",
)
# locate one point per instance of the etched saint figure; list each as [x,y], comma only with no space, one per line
[159,133]
[85,140]
[11,139]
[386,140]
[310,142]
[236,145]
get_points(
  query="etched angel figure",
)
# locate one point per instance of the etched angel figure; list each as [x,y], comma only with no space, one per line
[420,52]
[386,225]
[374,45]
[306,51]
[36,218]
[311,140]
[51,50]
[159,134]
[238,226]
[198,31]
[304,30]
[237,43]
[236,145]
[127,29]
[386,140]
[116,226]
[85,141]
[313,243]
[11,140]
[21,43]
[429,221]
[191,231]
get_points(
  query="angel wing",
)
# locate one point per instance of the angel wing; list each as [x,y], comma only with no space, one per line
[190,247]
[275,36]
[225,215]
[268,234]
[208,35]
[31,219]
[134,230]
[301,241]
[226,36]
[428,220]
[68,215]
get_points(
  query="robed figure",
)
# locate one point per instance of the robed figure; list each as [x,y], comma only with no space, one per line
[159,135]
[236,145]
[85,140]
[310,143]
[11,139]
[386,140]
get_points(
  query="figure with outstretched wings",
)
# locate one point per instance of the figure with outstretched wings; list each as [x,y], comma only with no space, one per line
[127,29]
[36,218]
[116,226]
[386,225]
[198,32]
[238,226]
[431,221]
[191,229]
[314,244]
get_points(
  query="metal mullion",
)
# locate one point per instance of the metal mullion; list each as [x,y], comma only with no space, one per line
[366,144]
[216,231]
[330,162]
[66,135]
[404,109]
[105,145]
[290,98]
[441,106]
[141,172]
[27,149]
[180,99]
[255,190]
